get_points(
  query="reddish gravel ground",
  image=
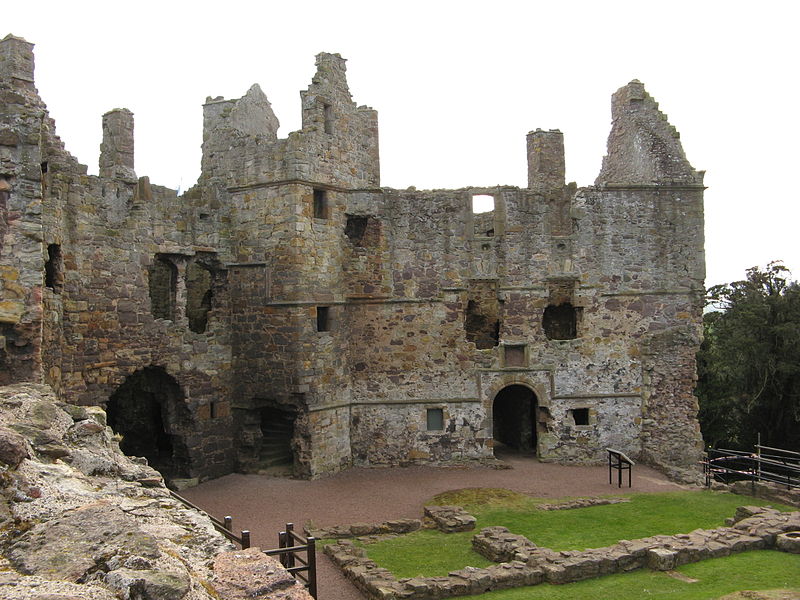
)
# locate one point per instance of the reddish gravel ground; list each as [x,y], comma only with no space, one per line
[264,504]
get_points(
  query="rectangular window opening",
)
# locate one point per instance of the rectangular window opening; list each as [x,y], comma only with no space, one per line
[327,114]
[435,419]
[320,204]
[323,318]
[580,416]
[482,203]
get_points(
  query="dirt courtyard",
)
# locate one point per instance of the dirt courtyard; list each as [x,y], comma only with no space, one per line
[264,504]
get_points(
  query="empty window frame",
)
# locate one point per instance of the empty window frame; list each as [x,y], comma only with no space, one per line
[163,276]
[482,203]
[320,204]
[435,419]
[53,269]
[580,416]
[323,318]
[561,322]
[327,115]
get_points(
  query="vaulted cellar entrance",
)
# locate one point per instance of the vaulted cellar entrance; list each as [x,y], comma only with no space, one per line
[148,411]
[514,418]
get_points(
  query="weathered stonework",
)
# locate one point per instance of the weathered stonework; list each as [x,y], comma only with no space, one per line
[523,563]
[287,307]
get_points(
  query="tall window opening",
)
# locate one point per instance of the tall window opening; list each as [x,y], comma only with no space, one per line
[163,275]
[53,269]
[320,204]
[435,419]
[327,115]
[323,318]
[199,295]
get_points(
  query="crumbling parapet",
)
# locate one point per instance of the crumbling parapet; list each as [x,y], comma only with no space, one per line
[16,59]
[643,148]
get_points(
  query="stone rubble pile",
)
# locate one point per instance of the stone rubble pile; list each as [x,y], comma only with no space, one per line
[522,563]
[78,519]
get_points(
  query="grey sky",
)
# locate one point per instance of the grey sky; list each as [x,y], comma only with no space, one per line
[457,85]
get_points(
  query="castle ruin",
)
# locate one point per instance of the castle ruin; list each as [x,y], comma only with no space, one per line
[288,307]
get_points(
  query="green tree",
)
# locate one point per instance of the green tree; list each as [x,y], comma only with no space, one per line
[749,363]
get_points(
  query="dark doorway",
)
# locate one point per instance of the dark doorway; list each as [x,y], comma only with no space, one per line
[148,410]
[514,418]
[277,431]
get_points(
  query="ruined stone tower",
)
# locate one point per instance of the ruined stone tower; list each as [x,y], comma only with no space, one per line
[287,307]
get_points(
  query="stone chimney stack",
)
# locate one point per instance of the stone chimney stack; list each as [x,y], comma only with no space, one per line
[116,151]
[16,59]
[546,159]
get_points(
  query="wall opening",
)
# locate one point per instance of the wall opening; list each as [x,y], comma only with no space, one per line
[435,419]
[561,322]
[323,318]
[327,115]
[149,411]
[514,419]
[580,416]
[482,203]
[482,315]
[277,432]
[199,296]
[163,276]
[54,269]
[320,204]
[355,229]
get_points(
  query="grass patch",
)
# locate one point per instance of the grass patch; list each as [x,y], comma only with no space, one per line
[430,553]
[757,570]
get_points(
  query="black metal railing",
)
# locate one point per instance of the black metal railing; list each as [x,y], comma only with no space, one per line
[774,465]
[291,546]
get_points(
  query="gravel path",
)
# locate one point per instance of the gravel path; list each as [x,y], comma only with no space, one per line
[264,504]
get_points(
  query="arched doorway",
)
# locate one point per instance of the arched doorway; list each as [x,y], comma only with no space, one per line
[514,418]
[148,411]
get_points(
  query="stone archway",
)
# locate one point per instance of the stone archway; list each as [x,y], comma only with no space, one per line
[148,410]
[514,413]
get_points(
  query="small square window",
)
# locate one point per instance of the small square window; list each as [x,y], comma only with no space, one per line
[320,204]
[323,318]
[580,416]
[435,418]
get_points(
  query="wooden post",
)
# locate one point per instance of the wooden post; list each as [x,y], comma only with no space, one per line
[311,556]
[245,539]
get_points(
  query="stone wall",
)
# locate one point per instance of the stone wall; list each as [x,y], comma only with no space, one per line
[387,326]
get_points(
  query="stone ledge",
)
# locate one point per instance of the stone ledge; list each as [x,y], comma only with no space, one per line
[582,503]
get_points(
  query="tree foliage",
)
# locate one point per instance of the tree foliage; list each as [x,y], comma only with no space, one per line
[749,363]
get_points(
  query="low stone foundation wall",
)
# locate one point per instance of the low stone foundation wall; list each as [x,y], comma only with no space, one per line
[354,530]
[768,491]
[582,503]
[526,564]
[450,519]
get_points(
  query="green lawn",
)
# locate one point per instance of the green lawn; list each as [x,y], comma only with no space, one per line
[429,553]
[758,570]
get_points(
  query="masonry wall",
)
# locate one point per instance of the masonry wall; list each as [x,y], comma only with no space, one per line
[385,324]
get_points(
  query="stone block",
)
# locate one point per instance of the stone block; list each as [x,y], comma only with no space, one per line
[661,559]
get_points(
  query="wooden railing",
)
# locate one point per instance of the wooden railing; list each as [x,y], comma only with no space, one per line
[225,527]
[291,545]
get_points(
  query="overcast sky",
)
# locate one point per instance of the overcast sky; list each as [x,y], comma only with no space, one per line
[457,85]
